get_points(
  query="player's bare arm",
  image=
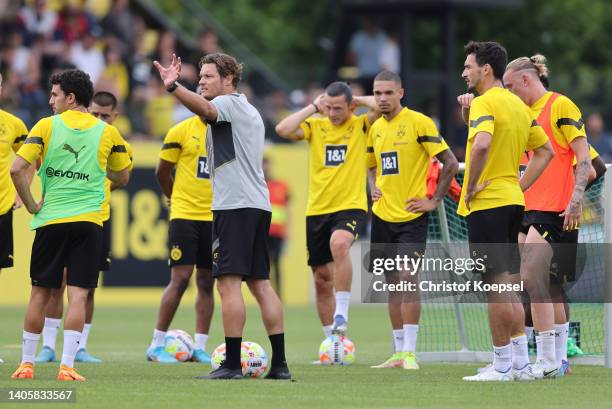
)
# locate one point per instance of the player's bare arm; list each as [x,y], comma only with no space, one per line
[163,173]
[289,128]
[465,100]
[19,174]
[478,160]
[375,192]
[449,170]
[368,102]
[573,212]
[192,101]
[119,177]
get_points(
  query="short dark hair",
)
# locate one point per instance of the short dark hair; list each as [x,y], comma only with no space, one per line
[489,52]
[226,65]
[74,82]
[338,88]
[388,76]
[104,99]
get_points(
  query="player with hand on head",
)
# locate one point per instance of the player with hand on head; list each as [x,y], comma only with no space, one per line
[337,201]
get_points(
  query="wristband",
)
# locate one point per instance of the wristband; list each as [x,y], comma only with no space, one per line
[172,87]
[315,107]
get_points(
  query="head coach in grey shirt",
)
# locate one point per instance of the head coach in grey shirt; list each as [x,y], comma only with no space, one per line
[241,204]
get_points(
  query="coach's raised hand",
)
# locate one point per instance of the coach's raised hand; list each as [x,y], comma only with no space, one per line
[169,75]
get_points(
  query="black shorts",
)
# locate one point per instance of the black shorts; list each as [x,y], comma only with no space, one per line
[105,254]
[6,239]
[319,230]
[548,224]
[564,243]
[71,245]
[388,240]
[493,236]
[240,243]
[189,243]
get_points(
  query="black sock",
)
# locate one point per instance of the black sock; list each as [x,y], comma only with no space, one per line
[278,350]
[232,352]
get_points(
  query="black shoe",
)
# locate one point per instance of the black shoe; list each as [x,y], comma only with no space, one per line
[279,372]
[223,373]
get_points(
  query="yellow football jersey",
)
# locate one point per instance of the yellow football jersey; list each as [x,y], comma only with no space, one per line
[337,164]
[514,131]
[185,145]
[400,150]
[13,133]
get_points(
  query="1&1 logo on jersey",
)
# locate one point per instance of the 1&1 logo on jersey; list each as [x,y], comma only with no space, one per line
[389,163]
[335,155]
[202,170]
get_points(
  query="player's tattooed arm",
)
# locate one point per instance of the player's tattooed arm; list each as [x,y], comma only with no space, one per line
[449,170]
[289,128]
[573,212]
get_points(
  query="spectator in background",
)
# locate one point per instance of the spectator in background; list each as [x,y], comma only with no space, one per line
[115,76]
[121,24]
[37,21]
[159,109]
[389,58]
[86,56]
[73,22]
[166,46]
[365,47]
[208,43]
[279,199]
[598,137]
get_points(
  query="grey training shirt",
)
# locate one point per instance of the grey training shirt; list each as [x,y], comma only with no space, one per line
[235,145]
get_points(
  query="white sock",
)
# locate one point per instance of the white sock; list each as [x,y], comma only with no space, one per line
[538,341]
[529,333]
[520,352]
[30,343]
[200,341]
[71,346]
[342,303]
[327,330]
[50,331]
[410,337]
[547,339]
[158,338]
[502,358]
[398,340]
[84,336]
[561,334]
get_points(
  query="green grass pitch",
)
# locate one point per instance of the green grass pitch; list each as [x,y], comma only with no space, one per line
[125,380]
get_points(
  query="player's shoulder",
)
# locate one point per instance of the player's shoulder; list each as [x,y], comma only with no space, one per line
[14,120]
[563,102]
[187,123]
[418,118]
